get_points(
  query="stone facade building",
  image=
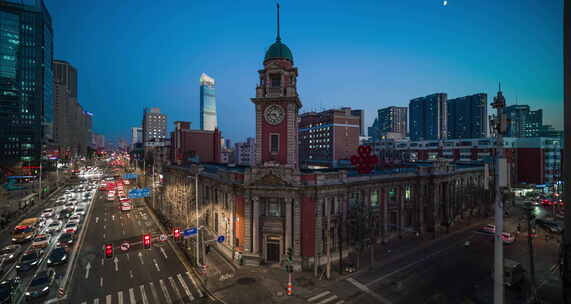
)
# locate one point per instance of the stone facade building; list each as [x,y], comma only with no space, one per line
[273,206]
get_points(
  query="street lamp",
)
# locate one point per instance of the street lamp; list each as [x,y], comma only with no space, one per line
[196,174]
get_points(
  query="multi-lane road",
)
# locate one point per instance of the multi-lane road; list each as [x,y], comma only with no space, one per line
[138,275]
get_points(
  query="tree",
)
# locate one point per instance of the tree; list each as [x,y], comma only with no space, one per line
[359,228]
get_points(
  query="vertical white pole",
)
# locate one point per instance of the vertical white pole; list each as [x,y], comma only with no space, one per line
[40,195]
[197,224]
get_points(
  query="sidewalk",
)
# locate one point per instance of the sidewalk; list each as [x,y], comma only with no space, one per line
[269,284]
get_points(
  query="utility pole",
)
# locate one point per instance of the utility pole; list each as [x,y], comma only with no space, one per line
[566,165]
[41,190]
[328,232]
[501,181]
[530,218]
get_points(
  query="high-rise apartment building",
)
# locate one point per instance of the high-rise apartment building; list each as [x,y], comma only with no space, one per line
[245,152]
[26,80]
[428,117]
[136,136]
[328,137]
[523,121]
[393,120]
[72,124]
[361,114]
[154,125]
[468,116]
[207,103]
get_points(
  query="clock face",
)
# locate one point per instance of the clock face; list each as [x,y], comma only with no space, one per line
[274,114]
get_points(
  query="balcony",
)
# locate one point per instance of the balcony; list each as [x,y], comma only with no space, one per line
[275,92]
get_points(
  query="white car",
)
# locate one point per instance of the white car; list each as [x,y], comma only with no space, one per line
[70,228]
[75,219]
[54,227]
[70,206]
[41,241]
[126,207]
[80,211]
[49,212]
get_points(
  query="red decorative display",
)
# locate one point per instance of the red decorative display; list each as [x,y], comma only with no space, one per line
[364,161]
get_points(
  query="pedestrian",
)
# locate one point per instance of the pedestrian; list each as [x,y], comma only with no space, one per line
[417,235]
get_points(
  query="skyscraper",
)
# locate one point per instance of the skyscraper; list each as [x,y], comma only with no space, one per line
[468,116]
[393,120]
[523,122]
[154,125]
[428,117]
[207,103]
[136,136]
[26,80]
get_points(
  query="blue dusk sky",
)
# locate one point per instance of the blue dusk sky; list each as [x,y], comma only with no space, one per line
[132,54]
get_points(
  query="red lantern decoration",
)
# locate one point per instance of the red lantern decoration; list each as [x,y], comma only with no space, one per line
[364,161]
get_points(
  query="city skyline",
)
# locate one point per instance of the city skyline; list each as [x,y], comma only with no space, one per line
[475,53]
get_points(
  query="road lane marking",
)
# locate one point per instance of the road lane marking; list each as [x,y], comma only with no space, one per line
[156,265]
[366,289]
[143,294]
[173,284]
[96,301]
[102,261]
[131,273]
[120,297]
[123,231]
[186,290]
[163,252]
[165,291]
[97,220]
[154,292]
[104,226]
[196,285]
[108,299]
[104,236]
[318,296]
[101,282]
[116,261]
[330,299]
[132,296]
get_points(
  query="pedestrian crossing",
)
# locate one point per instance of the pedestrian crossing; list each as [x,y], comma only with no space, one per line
[179,288]
[325,297]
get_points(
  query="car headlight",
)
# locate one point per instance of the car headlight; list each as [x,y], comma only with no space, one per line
[18,266]
[28,293]
[49,261]
[64,258]
[13,239]
[34,263]
[45,288]
[11,257]
[28,237]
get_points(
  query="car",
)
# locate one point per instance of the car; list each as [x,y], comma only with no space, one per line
[41,241]
[65,214]
[489,229]
[70,228]
[54,227]
[41,284]
[126,182]
[65,240]
[124,200]
[58,256]
[125,207]
[549,226]
[49,212]
[30,259]
[8,289]
[10,253]
[69,206]
[26,230]
[80,211]
[508,238]
[75,219]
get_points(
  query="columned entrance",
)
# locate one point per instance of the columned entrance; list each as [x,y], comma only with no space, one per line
[273,249]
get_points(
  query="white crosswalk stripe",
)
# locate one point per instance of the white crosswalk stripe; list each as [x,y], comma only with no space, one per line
[318,296]
[186,290]
[173,284]
[120,297]
[96,301]
[154,292]
[108,299]
[330,299]
[132,296]
[194,283]
[165,291]
[83,302]
[143,294]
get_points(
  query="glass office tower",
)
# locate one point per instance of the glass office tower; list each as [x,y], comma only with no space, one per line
[26,80]
[207,103]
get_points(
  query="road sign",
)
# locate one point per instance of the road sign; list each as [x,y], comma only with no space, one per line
[220,239]
[125,246]
[163,237]
[187,233]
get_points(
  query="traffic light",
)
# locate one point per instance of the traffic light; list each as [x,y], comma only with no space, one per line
[109,251]
[290,255]
[147,241]
[176,234]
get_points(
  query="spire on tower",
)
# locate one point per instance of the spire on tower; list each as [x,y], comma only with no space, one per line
[278,38]
[499,86]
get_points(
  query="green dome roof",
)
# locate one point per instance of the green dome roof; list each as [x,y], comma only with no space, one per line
[278,50]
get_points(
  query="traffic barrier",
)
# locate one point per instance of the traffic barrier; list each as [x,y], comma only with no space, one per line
[289,288]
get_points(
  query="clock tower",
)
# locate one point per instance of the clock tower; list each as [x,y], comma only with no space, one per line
[277,107]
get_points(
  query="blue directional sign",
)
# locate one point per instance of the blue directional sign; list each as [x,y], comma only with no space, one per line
[129,176]
[220,239]
[188,232]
